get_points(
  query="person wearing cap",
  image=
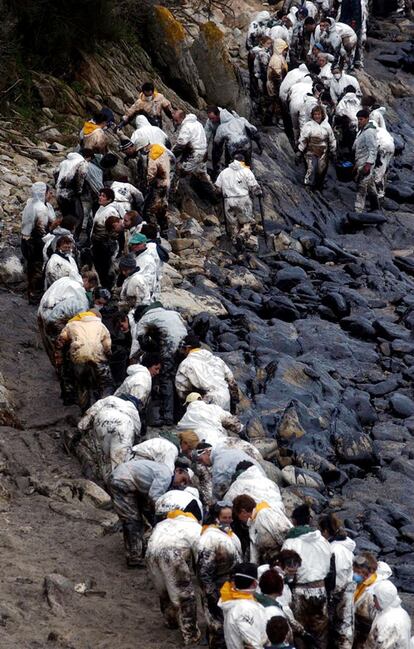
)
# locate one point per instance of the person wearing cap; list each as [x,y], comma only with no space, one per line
[317,144]
[238,185]
[134,162]
[340,80]
[392,624]
[62,262]
[341,595]
[171,553]
[93,135]
[150,103]
[201,371]
[309,603]
[164,451]
[104,244]
[365,148]
[367,572]
[106,434]
[211,422]
[219,550]
[135,485]
[86,342]
[163,330]
[142,281]
[244,618]
[268,526]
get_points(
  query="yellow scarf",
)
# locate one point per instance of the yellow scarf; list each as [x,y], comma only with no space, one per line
[156,151]
[81,315]
[260,507]
[360,590]
[89,127]
[178,512]
[207,527]
[229,593]
[195,349]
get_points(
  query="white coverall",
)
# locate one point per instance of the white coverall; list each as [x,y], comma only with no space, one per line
[391,628]
[210,422]
[296,97]
[267,531]
[59,266]
[254,483]
[337,86]
[125,195]
[237,183]
[292,77]
[244,623]
[171,550]
[147,132]
[348,107]
[177,499]
[257,28]
[309,603]
[364,603]
[201,371]
[138,382]
[157,449]
[224,462]
[142,287]
[386,150]
[377,116]
[109,429]
[193,139]
[316,142]
[341,606]
[366,150]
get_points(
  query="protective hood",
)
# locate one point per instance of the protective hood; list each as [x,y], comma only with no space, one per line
[306,533]
[230,594]
[156,151]
[135,369]
[141,121]
[262,17]
[225,116]
[39,191]
[383,571]
[331,22]
[279,46]
[386,594]
[237,165]
[89,127]
[74,157]
[347,543]
[303,67]
[84,315]
[191,118]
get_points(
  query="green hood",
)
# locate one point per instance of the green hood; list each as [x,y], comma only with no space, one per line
[295,532]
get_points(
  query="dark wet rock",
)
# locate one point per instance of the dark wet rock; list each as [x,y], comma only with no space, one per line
[359,402]
[400,192]
[402,347]
[289,425]
[390,330]
[387,450]
[302,478]
[324,254]
[407,531]
[404,576]
[381,533]
[279,306]
[405,263]
[351,444]
[365,545]
[358,326]
[287,278]
[402,405]
[337,303]
[383,387]
[404,466]
[363,219]
[387,431]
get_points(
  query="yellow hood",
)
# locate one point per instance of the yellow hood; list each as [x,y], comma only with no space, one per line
[178,512]
[229,593]
[82,314]
[360,590]
[279,46]
[89,127]
[156,151]
[260,507]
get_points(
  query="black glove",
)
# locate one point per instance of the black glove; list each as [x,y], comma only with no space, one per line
[121,125]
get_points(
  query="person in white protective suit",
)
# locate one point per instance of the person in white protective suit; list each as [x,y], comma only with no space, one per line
[172,549]
[107,433]
[340,80]
[65,298]
[386,150]
[296,96]
[224,463]
[346,116]
[214,116]
[164,330]
[149,263]
[261,56]
[177,499]
[267,525]
[127,197]
[62,263]
[235,135]
[341,597]
[72,173]
[244,618]
[367,573]
[37,218]
[281,31]
[391,628]
[219,550]
[238,185]
[310,100]
[317,144]
[165,451]
[366,151]
[338,39]
[355,14]
[138,381]
[135,486]
[293,76]
[211,423]
[257,29]
[309,602]
[148,133]
[190,149]
[325,65]
[253,482]
[203,372]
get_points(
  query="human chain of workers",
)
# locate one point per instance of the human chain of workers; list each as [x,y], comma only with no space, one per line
[197,496]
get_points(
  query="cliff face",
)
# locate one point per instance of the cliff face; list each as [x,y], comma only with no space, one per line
[317,328]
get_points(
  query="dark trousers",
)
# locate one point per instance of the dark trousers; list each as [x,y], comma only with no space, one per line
[32,251]
[102,252]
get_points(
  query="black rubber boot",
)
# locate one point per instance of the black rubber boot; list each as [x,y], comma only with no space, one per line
[133,544]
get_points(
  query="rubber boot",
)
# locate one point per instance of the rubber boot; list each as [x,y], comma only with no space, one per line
[133,544]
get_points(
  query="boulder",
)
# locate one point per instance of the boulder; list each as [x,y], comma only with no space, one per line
[190,305]
[58,591]
[402,405]
[11,269]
